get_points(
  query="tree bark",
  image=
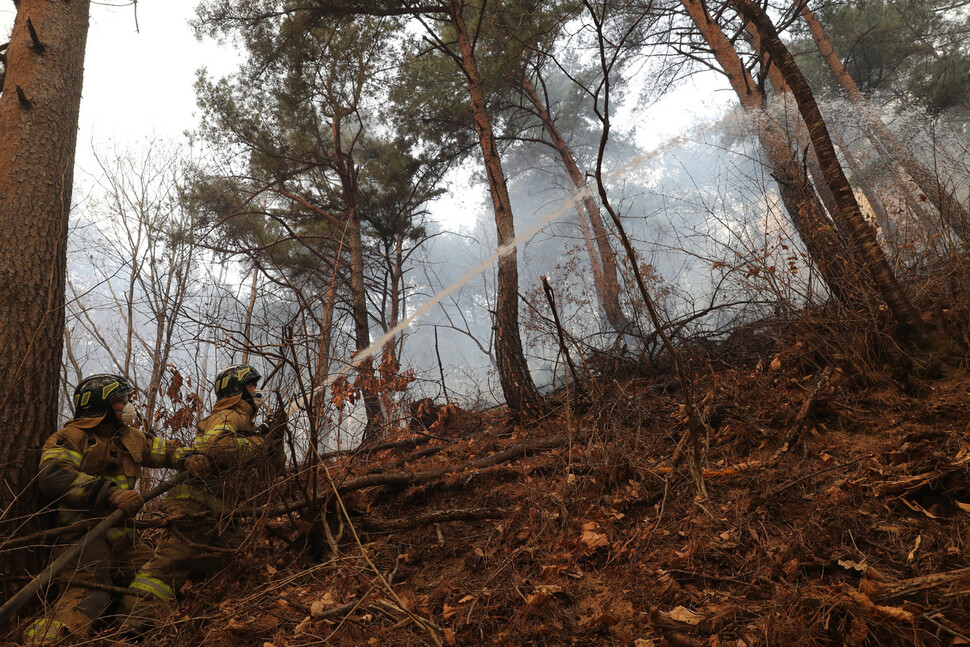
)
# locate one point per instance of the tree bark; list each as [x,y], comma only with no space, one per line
[805,211]
[954,214]
[604,264]
[875,203]
[863,237]
[518,388]
[38,134]
[358,289]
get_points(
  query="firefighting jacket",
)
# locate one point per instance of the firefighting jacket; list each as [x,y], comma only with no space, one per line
[238,455]
[82,463]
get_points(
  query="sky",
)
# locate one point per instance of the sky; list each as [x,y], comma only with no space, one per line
[138,83]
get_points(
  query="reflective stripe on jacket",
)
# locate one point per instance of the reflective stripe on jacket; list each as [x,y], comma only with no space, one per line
[228,439]
[83,462]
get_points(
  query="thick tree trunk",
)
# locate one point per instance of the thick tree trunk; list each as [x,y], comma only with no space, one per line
[806,212]
[802,141]
[520,392]
[389,363]
[358,289]
[863,237]
[604,264]
[365,369]
[954,214]
[38,133]
[875,203]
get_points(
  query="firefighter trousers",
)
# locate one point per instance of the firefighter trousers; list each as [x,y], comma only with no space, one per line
[189,550]
[110,560]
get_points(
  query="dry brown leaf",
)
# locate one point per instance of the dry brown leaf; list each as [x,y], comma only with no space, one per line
[304,627]
[848,564]
[894,613]
[447,611]
[551,589]
[593,539]
[681,614]
[322,604]
[450,638]
[537,599]
[963,506]
[235,625]
[912,553]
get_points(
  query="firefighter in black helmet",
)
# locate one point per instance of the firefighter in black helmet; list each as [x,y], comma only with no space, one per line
[87,469]
[240,459]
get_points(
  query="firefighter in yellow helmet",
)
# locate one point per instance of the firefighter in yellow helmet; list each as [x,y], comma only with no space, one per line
[87,469]
[239,459]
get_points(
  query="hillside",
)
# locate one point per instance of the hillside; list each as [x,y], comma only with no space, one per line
[575,531]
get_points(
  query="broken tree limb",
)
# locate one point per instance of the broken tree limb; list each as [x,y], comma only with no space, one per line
[794,434]
[397,444]
[822,471]
[11,606]
[43,535]
[413,478]
[706,408]
[912,586]
[913,483]
[424,453]
[404,479]
[435,516]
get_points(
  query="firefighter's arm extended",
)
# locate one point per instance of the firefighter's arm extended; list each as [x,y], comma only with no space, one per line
[61,480]
[165,453]
[227,442]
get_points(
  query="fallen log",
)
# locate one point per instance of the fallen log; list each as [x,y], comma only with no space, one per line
[404,479]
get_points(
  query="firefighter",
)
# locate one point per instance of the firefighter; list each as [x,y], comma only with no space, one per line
[87,469]
[239,459]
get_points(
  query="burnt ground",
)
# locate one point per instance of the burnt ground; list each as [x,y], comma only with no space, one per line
[857,534]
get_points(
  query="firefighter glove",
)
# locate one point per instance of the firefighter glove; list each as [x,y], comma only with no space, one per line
[198,466]
[128,500]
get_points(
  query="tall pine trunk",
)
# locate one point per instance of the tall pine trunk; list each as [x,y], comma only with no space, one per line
[805,211]
[953,213]
[607,284]
[905,313]
[518,388]
[38,132]
[358,289]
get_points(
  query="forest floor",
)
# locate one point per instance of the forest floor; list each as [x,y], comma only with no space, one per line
[574,530]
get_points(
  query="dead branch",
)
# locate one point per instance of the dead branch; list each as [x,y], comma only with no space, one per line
[912,586]
[822,471]
[376,524]
[800,420]
[913,483]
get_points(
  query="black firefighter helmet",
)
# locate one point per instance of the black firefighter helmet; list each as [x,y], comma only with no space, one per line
[92,395]
[233,380]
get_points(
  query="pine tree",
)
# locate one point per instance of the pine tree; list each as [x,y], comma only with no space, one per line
[38,131]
